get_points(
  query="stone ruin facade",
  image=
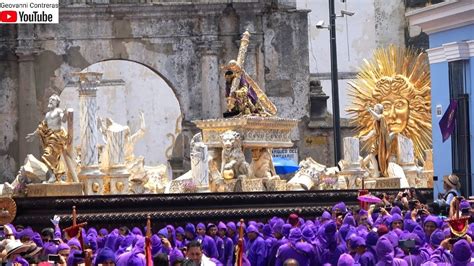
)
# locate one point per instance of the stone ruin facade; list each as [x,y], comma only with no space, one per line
[184,43]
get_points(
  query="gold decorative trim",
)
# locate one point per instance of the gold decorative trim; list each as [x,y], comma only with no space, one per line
[7,210]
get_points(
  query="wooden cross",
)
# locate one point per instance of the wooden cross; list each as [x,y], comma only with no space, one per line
[148,253]
[148,226]
[240,245]
[75,231]
[244,43]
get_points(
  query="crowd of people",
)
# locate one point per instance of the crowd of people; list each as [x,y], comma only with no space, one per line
[400,230]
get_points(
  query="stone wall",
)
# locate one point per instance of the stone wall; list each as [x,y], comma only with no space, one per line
[374,24]
[128,88]
[184,43]
[8,102]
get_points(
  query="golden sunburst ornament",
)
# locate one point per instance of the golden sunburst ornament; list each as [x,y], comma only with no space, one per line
[399,79]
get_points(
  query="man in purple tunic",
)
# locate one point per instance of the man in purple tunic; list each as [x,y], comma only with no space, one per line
[362,256]
[371,241]
[208,244]
[430,224]
[435,240]
[212,231]
[232,232]
[166,247]
[302,252]
[462,253]
[414,255]
[345,260]
[280,240]
[327,237]
[255,247]
[105,256]
[227,259]
[135,257]
[326,217]
[269,239]
[385,254]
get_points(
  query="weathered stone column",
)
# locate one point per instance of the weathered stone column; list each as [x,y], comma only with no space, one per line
[211,101]
[351,169]
[88,121]
[28,113]
[27,107]
[351,152]
[406,159]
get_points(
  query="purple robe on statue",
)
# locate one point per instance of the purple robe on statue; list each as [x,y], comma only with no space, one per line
[243,82]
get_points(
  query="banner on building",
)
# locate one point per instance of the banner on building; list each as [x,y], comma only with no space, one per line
[448,121]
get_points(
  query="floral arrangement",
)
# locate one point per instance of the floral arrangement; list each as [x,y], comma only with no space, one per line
[190,187]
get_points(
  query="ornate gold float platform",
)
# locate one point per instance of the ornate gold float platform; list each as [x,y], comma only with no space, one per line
[54,190]
[256,132]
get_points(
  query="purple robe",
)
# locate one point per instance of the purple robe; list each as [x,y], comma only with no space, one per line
[57,232]
[180,244]
[341,249]
[21,261]
[385,254]
[131,258]
[302,252]
[415,260]
[255,250]
[273,251]
[441,255]
[243,82]
[173,254]
[329,245]
[228,252]
[220,248]
[366,259]
[394,262]
[208,246]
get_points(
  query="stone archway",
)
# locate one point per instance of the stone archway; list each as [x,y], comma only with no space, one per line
[127,88]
